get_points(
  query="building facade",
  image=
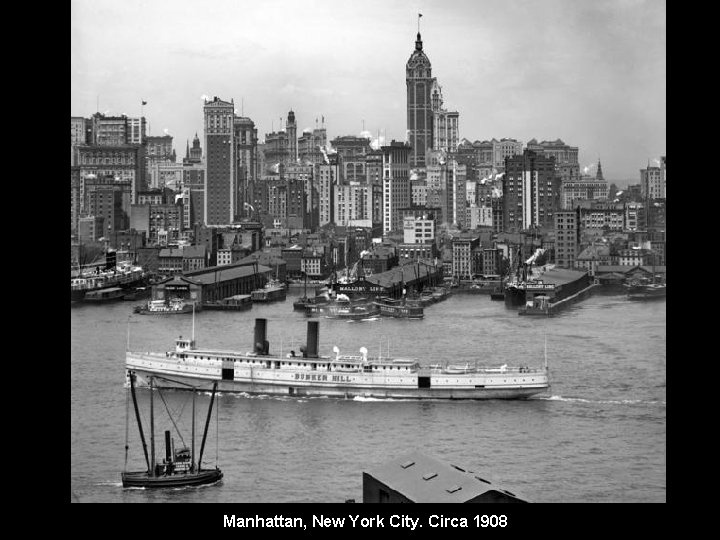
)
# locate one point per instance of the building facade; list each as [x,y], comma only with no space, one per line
[567,238]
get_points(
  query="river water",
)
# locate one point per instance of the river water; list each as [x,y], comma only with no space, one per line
[598,435]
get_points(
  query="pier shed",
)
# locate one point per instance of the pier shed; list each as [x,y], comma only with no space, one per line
[556,284]
[220,282]
[418,478]
[414,275]
[178,286]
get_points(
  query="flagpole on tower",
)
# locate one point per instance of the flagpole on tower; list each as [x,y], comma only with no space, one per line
[419,15]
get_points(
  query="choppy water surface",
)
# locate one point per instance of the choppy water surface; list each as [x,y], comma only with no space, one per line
[598,436]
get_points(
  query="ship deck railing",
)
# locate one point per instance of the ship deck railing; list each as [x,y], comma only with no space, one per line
[482,370]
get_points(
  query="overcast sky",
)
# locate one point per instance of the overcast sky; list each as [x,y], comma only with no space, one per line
[590,72]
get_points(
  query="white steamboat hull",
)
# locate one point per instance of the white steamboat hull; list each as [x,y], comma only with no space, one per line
[169,372]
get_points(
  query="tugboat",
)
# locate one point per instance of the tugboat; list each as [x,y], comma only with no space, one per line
[179,468]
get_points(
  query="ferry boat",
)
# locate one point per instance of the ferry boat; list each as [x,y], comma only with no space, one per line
[274,290]
[311,374]
[105,295]
[161,307]
[123,275]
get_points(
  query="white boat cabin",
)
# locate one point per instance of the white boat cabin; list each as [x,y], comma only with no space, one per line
[185,349]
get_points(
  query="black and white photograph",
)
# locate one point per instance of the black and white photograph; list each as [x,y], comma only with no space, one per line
[368,252]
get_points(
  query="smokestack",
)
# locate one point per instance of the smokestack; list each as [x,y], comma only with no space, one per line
[262,346]
[168,453]
[313,332]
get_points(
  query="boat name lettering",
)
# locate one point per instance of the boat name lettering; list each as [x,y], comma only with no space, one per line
[539,286]
[345,288]
[319,377]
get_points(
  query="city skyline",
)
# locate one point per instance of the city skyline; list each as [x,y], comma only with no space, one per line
[592,75]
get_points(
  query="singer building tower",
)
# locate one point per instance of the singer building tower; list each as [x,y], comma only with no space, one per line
[418,75]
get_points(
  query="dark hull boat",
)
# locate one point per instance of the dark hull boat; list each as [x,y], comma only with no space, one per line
[497,295]
[184,479]
[239,302]
[514,296]
[110,294]
[301,304]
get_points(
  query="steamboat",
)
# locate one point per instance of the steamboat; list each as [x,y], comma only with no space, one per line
[124,276]
[310,374]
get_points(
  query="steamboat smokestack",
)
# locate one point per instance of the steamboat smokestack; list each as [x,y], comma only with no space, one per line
[262,346]
[168,453]
[312,339]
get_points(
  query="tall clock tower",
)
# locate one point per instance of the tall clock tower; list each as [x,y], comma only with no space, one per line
[418,76]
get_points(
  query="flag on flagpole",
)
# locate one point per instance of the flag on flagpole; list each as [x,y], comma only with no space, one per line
[419,14]
[144,102]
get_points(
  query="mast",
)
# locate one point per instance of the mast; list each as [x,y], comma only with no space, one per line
[207,423]
[152,431]
[192,456]
[137,415]
[546,362]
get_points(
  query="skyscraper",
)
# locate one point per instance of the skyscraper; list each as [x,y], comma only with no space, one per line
[396,184]
[220,189]
[418,76]
[245,143]
[531,191]
[291,128]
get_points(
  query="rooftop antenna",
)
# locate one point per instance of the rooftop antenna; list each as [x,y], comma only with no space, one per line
[242,106]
